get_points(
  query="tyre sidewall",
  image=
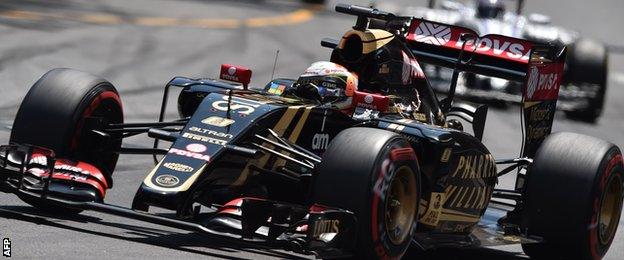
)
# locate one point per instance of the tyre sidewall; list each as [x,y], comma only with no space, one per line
[381,181]
[610,167]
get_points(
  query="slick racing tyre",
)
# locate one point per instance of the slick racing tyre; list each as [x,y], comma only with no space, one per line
[573,197]
[54,115]
[374,174]
[587,63]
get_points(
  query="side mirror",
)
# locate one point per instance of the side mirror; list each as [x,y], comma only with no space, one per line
[234,73]
[539,18]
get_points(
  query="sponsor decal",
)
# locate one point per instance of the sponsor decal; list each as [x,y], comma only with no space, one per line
[434,210]
[420,116]
[203,138]
[384,69]
[475,167]
[499,47]
[71,169]
[73,176]
[178,167]
[6,247]
[235,73]
[449,36]
[210,132]
[239,105]
[543,83]
[446,155]
[41,160]
[431,33]
[320,141]
[218,121]
[197,148]
[189,154]
[471,197]
[276,89]
[325,226]
[166,180]
[473,180]
[370,101]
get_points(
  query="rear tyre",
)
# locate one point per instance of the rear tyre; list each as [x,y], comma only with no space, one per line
[574,197]
[587,62]
[373,173]
[54,113]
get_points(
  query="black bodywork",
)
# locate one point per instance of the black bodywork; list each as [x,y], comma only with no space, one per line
[241,162]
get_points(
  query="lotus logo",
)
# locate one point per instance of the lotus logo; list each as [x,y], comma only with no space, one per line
[217,121]
[167,180]
[178,167]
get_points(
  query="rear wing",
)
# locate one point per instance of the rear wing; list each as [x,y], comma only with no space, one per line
[538,67]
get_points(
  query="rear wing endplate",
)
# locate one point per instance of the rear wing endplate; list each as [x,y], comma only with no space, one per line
[539,67]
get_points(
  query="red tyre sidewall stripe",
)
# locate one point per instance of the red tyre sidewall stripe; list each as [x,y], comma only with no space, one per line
[395,155]
[593,234]
[89,110]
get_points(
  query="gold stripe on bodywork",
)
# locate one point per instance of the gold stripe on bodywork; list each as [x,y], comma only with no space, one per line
[279,128]
[453,215]
[371,39]
[187,184]
[294,136]
[530,104]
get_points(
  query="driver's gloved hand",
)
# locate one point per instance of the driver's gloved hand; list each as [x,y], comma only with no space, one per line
[308,91]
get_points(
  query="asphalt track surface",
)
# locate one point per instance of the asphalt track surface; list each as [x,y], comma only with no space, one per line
[140,45]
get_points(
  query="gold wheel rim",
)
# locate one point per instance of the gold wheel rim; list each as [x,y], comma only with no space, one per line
[400,208]
[610,209]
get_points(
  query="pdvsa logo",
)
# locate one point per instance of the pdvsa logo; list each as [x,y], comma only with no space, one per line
[537,83]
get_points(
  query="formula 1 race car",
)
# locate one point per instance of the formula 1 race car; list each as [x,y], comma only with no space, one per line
[280,168]
[584,88]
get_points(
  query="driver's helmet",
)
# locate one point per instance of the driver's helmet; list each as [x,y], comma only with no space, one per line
[334,82]
[490,9]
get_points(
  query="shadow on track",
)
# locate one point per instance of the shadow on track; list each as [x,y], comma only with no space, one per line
[183,241]
[156,237]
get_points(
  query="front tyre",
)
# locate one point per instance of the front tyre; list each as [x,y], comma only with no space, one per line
[373,173]
[55,113]
[574,197]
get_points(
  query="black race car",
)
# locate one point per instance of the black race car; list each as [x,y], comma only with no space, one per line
[279,168]
[584,88]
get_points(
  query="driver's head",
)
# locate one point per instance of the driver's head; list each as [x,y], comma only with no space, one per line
[490,9]
[333,82]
